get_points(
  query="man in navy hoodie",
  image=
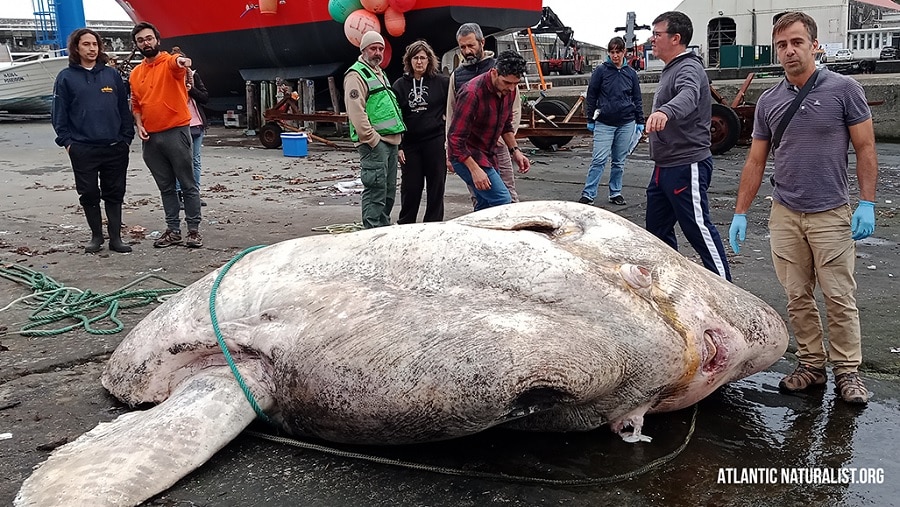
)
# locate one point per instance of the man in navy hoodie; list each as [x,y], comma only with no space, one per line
[93,122]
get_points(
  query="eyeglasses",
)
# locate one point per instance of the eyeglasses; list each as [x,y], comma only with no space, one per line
[141,40]
[420,58]
[657,35]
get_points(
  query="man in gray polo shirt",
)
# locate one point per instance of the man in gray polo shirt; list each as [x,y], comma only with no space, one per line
[812,230]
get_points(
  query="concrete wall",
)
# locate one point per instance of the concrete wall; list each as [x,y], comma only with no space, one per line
[878,87]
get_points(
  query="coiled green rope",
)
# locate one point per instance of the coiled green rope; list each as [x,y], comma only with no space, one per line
[215,324]
[56,302]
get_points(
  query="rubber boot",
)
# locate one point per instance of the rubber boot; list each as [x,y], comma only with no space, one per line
[95,222]
[114,228]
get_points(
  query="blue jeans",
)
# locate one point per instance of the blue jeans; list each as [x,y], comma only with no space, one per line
[196,144]
[497,195]
[609,142]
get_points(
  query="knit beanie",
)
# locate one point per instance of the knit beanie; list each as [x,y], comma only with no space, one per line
[369,38]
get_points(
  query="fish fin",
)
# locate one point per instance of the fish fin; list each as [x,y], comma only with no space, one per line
[140,454]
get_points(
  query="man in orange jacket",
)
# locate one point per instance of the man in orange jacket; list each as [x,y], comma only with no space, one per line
[159,103]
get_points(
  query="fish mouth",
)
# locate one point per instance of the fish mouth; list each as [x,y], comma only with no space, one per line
[714,353]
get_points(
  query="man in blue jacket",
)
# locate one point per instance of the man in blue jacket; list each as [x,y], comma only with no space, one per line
[94,124]
[615,115]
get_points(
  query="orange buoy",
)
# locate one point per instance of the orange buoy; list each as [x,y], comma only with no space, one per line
[402,5]
[359,22]
[386,60]
[268,6]
[376,6]
[394,22]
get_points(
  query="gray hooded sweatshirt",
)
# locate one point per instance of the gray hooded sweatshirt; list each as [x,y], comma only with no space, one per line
[683,95]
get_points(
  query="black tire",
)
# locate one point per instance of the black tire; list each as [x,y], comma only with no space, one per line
[568,68]
[545,68]
[270,135]
[724,130]
[556,108]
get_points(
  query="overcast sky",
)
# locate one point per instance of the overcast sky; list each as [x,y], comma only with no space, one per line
[594,21]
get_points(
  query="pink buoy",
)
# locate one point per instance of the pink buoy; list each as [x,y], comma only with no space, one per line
[394,22]
[376,6]
[402,5]
[359,22]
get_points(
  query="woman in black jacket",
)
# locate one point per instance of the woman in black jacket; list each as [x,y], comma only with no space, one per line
[422,94]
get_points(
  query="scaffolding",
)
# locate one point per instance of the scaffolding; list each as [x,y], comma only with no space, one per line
[46,28]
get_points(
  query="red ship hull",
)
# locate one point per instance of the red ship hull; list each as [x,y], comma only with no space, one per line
[230,44]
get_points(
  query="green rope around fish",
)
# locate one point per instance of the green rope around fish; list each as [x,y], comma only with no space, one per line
[56,303]
[221,340]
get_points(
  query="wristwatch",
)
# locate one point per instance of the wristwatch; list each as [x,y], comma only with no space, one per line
[514,149]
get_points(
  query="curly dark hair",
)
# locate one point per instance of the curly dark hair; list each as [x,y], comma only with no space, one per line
[510,63]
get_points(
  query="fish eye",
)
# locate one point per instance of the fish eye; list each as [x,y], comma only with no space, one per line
[636,276]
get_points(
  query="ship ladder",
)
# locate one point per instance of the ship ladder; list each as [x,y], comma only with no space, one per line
[530,80]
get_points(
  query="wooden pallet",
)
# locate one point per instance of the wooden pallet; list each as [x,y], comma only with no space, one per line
[533,86]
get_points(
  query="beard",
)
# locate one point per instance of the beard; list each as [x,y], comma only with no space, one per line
[471,59]
[373,61]
[150,52]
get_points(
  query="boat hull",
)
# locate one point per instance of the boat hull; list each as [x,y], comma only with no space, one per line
[27,88]
[294,45]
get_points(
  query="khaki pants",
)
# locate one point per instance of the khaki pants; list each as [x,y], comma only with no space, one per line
[816,247]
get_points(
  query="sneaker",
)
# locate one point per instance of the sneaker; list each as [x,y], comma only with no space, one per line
[618,199]
[194,239]
[168,238]
[585,200]
[803,378]
[851,388]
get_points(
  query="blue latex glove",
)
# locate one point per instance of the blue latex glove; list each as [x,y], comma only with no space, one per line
[590,126]
[863,223]
[639,128]
[738,231]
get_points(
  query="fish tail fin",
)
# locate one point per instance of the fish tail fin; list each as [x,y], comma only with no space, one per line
[140,454]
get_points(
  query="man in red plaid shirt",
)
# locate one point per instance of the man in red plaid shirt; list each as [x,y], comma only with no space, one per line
[482,113]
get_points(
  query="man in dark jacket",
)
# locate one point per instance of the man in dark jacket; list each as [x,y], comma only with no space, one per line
[679,145]
[94,124]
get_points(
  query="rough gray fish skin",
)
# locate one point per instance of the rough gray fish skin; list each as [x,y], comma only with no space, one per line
[546,316]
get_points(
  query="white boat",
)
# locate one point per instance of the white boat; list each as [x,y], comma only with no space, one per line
[26,85]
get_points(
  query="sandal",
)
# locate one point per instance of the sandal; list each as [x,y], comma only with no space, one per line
[851,388]
[803,378]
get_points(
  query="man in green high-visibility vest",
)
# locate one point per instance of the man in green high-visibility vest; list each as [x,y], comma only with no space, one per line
[376,124]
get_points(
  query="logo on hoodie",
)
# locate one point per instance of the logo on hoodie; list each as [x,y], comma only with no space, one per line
[106,89]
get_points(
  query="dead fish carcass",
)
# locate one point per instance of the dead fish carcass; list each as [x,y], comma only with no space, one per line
[544,316]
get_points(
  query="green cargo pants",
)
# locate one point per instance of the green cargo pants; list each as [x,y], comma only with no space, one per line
[379,179]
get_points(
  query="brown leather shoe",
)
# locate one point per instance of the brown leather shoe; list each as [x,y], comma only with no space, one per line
[851,388]
[803,378]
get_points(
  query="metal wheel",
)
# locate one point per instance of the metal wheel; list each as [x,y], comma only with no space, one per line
[556,108]
[724,129]
[270,135]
